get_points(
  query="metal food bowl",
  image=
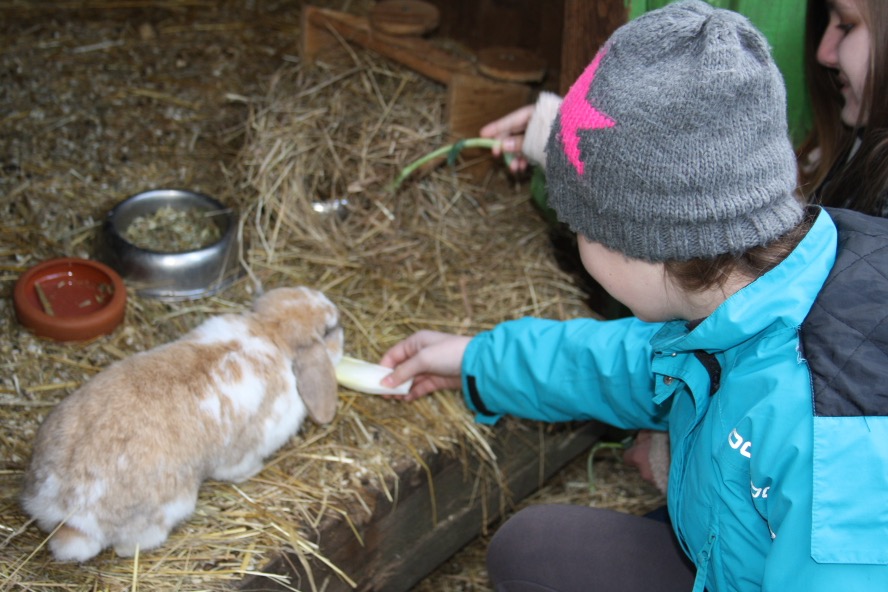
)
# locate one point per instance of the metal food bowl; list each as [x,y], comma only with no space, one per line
[167,274]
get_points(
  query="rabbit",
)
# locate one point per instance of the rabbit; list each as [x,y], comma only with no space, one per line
[119,462]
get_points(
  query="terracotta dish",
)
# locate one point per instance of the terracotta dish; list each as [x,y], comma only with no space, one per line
[70,299]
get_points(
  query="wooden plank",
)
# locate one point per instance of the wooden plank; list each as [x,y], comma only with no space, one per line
[433,517]
[473,101]
[318,25]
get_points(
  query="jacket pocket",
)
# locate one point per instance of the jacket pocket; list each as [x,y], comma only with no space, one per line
[850,478]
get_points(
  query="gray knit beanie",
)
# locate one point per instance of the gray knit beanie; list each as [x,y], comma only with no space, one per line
[673,143]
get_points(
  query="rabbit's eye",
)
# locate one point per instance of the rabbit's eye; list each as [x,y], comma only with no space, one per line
[330,328]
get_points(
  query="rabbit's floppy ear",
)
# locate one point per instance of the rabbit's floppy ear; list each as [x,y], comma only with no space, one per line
[316,381]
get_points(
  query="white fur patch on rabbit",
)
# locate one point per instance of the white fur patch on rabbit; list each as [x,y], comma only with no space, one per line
[119,462]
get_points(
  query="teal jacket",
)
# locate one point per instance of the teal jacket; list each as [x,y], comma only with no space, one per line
[760,498]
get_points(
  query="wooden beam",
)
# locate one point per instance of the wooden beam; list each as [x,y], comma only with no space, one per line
[472,98]
[320,27]
[438,511]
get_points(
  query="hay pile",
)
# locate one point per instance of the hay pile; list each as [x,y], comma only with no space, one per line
[446,251]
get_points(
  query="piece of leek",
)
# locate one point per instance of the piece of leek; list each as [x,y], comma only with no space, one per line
[451,151]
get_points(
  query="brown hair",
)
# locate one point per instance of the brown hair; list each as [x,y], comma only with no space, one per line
[861,182]
[698,275]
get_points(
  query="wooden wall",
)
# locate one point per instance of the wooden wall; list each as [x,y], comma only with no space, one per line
[566,33]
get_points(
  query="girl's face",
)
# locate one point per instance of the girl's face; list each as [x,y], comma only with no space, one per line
[640,285]
[845,47]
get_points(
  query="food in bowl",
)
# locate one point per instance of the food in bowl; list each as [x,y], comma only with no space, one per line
[184,246]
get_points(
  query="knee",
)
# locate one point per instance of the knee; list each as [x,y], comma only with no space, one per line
[519,543]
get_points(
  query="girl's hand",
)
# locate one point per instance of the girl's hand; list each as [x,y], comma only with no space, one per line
[432,359]
[510,130]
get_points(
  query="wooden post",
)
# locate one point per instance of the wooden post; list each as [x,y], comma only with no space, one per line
[587,25]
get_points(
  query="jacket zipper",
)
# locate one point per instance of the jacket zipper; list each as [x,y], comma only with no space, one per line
[703,558]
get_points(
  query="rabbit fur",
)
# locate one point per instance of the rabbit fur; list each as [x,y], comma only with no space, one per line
[119,462]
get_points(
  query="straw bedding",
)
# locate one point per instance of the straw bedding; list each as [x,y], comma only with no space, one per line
[105,99]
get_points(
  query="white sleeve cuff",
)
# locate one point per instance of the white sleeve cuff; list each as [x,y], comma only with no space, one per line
[537,134]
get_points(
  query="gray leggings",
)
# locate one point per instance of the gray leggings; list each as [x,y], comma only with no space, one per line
[561,548]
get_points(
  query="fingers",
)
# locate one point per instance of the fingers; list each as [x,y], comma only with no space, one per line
[405,357]
[511,145]
[395,355]
[409,347]
[410,368]
[432,359]
[518,164]
[510,129]
[425,385]
[508,125]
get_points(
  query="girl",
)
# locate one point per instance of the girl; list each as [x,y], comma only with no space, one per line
[670,159]
[847,69]
[844,160]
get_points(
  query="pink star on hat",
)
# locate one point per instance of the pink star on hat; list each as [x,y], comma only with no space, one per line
[577,114]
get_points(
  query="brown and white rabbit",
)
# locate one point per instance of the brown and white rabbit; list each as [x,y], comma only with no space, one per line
[119,461]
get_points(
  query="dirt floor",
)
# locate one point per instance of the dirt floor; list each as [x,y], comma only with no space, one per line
[101,99]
